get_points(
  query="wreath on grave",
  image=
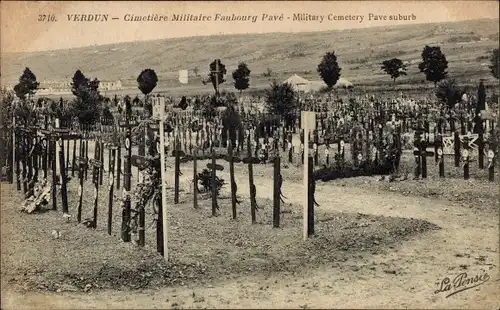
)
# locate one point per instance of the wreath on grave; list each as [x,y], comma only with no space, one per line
[38,198]
[205,180]
[146,194]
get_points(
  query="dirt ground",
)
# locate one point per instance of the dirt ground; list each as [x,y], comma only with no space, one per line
[433,229]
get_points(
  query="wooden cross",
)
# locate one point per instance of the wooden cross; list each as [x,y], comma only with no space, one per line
[61,133]
[421,153]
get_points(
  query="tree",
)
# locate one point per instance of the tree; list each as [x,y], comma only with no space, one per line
[281,100]
[329,69]
[27,84]
[268,73]
[217,77]
[495,63]
[88,100]
[78,80]
[434,64]
[394,67]
[449,92]
[84,88]
[146,82]
[241,77]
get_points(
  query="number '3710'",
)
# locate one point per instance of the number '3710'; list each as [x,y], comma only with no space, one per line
[46,18]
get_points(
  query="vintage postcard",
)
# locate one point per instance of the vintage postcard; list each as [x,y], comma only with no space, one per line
[256,154]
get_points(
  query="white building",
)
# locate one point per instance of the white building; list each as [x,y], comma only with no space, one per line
[51,87]
[108,85]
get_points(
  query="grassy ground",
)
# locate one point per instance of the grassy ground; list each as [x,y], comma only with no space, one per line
[203,247]
[368,232]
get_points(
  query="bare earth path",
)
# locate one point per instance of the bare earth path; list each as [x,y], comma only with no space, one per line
[467,242]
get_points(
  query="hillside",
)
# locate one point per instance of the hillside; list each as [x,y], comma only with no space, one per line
[467,46]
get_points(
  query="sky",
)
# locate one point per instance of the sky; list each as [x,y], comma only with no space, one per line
[21,32]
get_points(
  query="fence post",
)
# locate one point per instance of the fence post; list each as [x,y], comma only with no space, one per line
[342,148]
[491,165]
[23,162]
[73,159]
[423,156]
[315,150]
[63,176]
[67,154]
[160,244]
[440,156]
[214,184]
[97,164]
[58,149]
[195,178]
[44,157]
[177,169]
[277,190]
[253,204]
[29,162]
[111,188]
[54,171]
[13,150]
[86,158]
[17,157]
[465,155]
[101,158]
[36,159]
[456,142]
[118,165]
[437,142]
[310,199]
[231,174]
[81,173]
[190,141]
[142,226]
[125,232]
[480,142]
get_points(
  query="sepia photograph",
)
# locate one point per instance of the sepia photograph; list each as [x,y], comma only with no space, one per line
[249,154]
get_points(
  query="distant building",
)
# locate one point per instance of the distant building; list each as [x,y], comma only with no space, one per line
[107,85]
[51,87]
[47,87]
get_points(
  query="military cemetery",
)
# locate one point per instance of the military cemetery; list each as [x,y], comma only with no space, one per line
[206,176]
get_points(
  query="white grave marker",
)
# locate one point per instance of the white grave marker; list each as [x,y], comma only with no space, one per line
[308,123]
